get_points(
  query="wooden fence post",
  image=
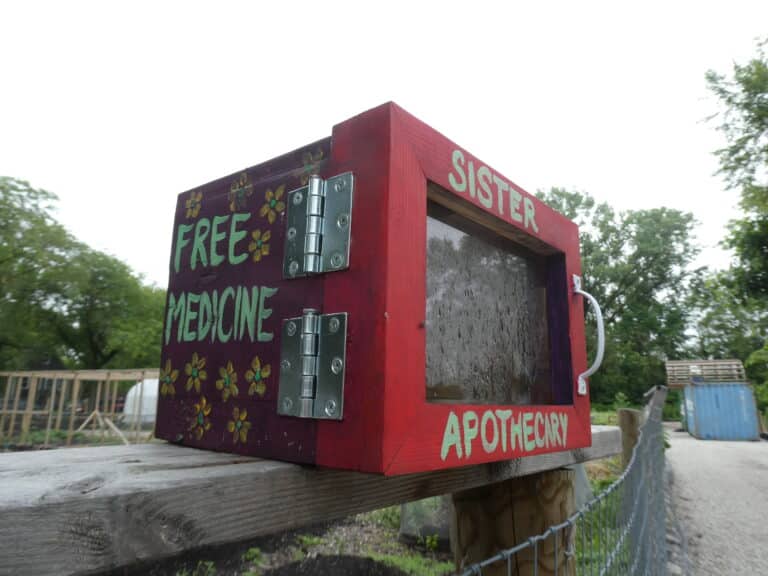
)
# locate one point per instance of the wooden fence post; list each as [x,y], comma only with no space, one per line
[496,517]
[73,408]
[28,409]
[8,385]
[629,422]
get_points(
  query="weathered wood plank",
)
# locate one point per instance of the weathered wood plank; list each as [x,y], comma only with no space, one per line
[84,510]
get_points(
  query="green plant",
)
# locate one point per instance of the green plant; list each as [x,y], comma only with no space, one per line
[252,555]
[620,400]
[415,565]
[309,541]
[203,568]
[429,542]
[387,517]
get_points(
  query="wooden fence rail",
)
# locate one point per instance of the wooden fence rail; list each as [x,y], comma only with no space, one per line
[57,396]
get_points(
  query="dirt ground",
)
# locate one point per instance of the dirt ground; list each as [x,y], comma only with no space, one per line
[362,544]
[721,501]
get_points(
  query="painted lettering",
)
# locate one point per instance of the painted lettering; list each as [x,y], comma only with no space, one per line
[190,315]
[470,422]
[181,241]
[539,430]
[530,215]
[484,179]
[530,442]
[451,437]
[217,237]
[265,313]
[235,236]
[489,445]
[202,228]
[503,432]
[478,182]
[503,416]
[458,165]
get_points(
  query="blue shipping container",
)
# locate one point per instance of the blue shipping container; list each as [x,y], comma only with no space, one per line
[721,411]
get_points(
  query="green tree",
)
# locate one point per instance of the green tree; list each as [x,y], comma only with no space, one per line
[63,304]
[636,263]
[744,164]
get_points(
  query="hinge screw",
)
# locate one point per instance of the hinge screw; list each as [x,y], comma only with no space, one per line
[337,260]
[339,185]
[291,328]
[287,404]
[330,407]
[285,365]
[298,198]
[291,233]
[293,267]
[342,221]
[333,325]
[336,365]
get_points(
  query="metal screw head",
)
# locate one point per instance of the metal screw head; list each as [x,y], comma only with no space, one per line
[336,365]
[333,325]
[338,186]
[337,260]
[291,329]
[342,221]
[293,267]
[298,197]
[287,404]
[330,408]
[285,365]
[291,233]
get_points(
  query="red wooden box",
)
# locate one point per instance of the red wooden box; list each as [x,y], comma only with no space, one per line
[438,340]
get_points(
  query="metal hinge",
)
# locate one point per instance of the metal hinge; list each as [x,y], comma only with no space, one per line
[312,363]
[318,220]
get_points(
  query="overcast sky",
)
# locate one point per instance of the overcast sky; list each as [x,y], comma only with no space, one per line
[117,107]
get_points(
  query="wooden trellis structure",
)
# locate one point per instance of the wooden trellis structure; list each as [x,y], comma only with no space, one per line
[57,397]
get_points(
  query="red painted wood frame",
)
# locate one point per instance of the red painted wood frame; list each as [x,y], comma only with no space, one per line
[389,426]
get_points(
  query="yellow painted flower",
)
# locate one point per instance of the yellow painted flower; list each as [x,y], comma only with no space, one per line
[256,375]
[195,372]
[260,244]
[167,380]
[200,423]
[193,204]
[309,162]
[239,192]
[228,382]
[239,426]
[272,203]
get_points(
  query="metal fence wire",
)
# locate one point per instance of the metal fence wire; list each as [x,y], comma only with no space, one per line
[620,532]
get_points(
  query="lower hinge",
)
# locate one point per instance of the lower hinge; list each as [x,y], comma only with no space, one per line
[312,365]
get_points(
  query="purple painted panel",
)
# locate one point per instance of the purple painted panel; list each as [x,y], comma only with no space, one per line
[226,302]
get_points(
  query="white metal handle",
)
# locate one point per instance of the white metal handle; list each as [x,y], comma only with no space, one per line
[582,380]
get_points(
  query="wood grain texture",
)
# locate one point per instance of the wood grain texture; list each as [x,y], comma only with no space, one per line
[497,517]
[84,510]
[629,422]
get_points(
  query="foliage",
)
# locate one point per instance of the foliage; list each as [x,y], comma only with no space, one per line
[252,555]
[744,163]
[415,565]
[308,541]
[62,304]
[387,517]
[636,263]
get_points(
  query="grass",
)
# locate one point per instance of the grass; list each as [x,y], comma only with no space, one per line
[415,565]
[604,417]
[308,541]
[387,517]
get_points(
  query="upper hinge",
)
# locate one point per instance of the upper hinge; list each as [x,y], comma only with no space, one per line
[312,364]
[318,220]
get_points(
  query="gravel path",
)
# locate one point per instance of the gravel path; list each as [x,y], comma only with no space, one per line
[721,498]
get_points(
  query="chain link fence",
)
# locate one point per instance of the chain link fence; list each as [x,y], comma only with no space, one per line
[620,532]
